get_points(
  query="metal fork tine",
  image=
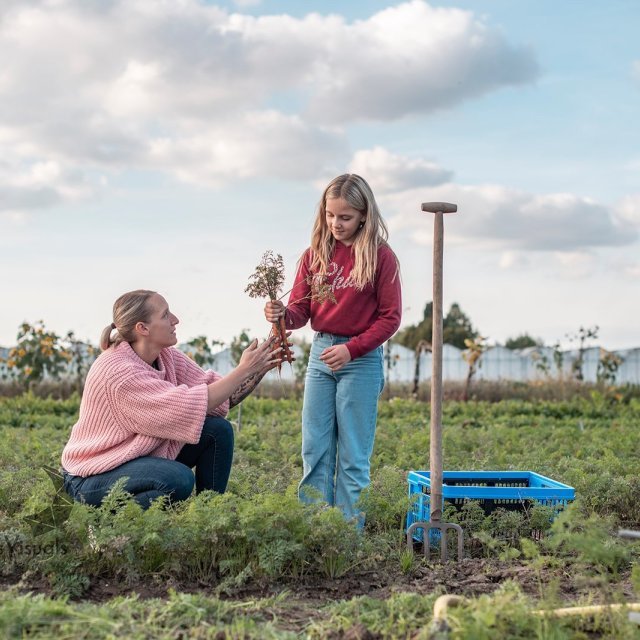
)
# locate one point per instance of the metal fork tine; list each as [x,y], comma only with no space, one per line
[443,527]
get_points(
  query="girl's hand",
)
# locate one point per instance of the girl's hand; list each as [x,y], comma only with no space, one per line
[335,357]
[258,358]
[274,310]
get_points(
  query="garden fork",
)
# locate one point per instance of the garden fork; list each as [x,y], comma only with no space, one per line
[435,457]
[443,527]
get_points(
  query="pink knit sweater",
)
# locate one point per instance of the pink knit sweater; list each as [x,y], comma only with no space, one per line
[130,409]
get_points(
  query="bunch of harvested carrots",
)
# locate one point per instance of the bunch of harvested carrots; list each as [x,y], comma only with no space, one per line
[267,281]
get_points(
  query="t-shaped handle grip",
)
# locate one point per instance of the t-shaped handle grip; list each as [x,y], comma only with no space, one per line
[439,207]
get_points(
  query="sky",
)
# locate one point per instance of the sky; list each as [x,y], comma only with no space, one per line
[167,144]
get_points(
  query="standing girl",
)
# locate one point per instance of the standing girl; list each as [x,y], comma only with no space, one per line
[348,252]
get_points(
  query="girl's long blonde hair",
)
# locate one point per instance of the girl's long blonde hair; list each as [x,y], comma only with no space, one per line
[372,234]
[129,309]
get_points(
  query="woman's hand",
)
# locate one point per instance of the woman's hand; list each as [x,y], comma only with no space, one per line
[287,335]
[258,358]
[335,357]
[274,310]
[255,361]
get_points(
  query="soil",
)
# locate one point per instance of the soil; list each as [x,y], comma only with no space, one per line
[305,599]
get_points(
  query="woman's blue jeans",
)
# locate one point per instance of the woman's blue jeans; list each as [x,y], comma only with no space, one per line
[339,425]
[149,478]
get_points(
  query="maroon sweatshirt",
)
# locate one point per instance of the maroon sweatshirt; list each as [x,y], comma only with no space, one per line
[370,316]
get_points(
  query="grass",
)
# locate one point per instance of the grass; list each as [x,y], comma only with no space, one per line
[258,536]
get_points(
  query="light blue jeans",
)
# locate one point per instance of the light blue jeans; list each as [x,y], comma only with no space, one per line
[338,426]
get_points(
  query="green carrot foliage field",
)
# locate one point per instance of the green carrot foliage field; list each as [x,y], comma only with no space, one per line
[255,563]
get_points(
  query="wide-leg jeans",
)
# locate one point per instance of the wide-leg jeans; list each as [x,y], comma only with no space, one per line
[148,477]
[338,426]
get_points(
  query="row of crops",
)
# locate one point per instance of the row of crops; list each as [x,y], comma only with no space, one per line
[244,564]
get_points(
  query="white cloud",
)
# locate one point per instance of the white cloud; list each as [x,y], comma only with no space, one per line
[413,58]
[15,218]
[120,84]
[260,143]
[572,265]
[633,270]
[510,260]
[504,218]
[632,165]
[576,264]
[386,171]
[40,184]
[629,210]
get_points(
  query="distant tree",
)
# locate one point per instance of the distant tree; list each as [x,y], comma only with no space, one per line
[200,350]
[474,350]
[558,358]
[608,366]
[422,346]
[300,364]
[543,363]
[38,353]
[412,335]
[456,328]
[238,344]
[83,355]
[523,341]
[583,335]
[390,361]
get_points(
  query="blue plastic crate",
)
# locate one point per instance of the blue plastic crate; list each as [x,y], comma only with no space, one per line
[512,490]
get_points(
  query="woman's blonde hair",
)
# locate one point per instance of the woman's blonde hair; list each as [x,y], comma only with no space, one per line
[372,233]
[129,309]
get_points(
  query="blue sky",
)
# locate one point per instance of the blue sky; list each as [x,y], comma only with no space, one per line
[167,145]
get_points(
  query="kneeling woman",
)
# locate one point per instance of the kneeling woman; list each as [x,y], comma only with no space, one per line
[150,414]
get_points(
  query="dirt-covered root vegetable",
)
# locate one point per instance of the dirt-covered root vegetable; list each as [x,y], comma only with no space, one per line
[279,331]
